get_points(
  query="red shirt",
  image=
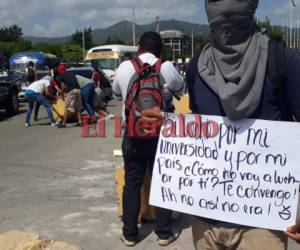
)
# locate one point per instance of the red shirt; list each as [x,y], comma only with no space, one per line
[97,78]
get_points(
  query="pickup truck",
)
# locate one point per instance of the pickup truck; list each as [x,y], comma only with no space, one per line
[10,83]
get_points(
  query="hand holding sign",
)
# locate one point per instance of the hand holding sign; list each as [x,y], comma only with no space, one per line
[294,232]
[246,174]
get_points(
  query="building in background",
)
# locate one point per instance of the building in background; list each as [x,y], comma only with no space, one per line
[178,41]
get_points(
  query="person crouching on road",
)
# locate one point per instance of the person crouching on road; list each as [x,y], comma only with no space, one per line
[99,95]
[36,93]
[87,94]
[69,85]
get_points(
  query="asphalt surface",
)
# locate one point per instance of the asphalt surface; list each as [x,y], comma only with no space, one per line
[60,185]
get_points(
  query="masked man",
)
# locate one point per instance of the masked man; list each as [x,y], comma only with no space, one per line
[233,77]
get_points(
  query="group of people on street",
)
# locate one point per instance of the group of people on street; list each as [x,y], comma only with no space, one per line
[76,91]
[231,77]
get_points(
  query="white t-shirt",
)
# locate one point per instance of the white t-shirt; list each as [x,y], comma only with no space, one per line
[39,86]
[125,72]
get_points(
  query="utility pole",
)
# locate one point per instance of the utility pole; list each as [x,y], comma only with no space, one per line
[292,43]
[157,24]
[291,26]
[192,43]
[133,27]
[83,44]
[297,34]
[287,31]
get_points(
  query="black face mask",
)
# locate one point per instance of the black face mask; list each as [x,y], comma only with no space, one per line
[231,21]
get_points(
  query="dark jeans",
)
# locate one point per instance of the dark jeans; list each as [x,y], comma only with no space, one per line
[39,100]
[87,94]
[36,110]
[138,156]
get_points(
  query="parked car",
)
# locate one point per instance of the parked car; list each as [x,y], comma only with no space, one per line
[10,83]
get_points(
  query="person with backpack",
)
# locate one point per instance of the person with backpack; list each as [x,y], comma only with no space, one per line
[241,74]
[140,83]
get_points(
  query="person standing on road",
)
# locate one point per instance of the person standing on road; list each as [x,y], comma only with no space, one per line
[99,95]
[31,73]
[36,93]
[31,77]
[139,154]
[73,102]
[233,77]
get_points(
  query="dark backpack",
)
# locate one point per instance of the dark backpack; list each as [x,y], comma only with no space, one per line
[275,71]
[144,92]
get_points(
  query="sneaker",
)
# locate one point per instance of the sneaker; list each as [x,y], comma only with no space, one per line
[61,125]
[27,124]
[110,116]
[53,124]
[127,243]
[166,242]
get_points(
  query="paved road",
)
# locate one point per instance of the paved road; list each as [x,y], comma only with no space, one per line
[60,185]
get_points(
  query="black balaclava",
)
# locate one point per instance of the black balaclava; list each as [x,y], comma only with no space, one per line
[231,21]
[234,63]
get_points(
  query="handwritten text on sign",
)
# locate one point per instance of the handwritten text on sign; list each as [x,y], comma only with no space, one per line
[245,172]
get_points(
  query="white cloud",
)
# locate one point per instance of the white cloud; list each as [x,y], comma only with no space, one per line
[61,17]
[284,12]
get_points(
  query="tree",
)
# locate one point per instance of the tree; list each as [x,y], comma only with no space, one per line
[49,48]
[273,32]
[9,48]
[76,38]
[114,40]
[71,52]
[199,42]
[11,34]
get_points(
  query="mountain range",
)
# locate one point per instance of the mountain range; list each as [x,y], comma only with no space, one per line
[123,30]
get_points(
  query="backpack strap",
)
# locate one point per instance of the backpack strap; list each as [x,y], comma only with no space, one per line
[157,65]
[140,67]
[137,64]
[276,72]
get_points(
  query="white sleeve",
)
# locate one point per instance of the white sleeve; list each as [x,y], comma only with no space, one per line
[116,85]
[122,78]
[173,79]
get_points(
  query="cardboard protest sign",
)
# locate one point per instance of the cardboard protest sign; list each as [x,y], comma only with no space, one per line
[244,172]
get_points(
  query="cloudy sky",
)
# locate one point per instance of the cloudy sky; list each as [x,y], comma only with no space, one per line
[61,17]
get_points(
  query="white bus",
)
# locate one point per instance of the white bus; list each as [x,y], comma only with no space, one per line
[109,57]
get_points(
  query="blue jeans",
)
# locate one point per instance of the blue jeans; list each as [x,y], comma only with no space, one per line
[87,94]
[39,100]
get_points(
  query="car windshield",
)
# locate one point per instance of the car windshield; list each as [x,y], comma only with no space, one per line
[21,67]
[87,73]
[112,64]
